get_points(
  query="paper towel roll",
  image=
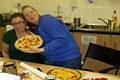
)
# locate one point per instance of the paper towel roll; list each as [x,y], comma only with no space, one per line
[33,70]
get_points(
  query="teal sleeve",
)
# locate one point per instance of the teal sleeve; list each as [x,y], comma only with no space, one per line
[6,38]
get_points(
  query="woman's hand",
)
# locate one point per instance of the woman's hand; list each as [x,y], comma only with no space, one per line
[34,50]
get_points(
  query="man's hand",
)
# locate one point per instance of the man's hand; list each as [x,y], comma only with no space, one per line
[34,50]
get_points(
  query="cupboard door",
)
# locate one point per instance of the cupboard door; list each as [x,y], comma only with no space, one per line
[84,40]
[115,42]
[2,30]
[77,36]
[104,40]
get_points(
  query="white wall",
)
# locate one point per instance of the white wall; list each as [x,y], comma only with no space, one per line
[88,12]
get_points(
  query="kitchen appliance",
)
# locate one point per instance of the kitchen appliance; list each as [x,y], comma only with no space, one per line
[6,16]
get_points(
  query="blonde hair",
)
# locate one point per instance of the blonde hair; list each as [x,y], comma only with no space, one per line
[27,6]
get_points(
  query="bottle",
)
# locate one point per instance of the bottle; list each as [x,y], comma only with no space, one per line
[114,20]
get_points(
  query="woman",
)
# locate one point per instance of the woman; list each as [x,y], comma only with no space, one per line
[8,41]
[60,49]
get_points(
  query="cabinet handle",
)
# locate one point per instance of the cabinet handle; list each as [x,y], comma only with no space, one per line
[104,43]
[115,45]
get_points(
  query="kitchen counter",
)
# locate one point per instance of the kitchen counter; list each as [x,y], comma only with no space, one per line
[99,31]
[46,68]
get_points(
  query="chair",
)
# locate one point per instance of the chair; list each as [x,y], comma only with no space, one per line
[105,55]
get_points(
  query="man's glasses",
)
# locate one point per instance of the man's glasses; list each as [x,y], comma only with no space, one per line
[20,22]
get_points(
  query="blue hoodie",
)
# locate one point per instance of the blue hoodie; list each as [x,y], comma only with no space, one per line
[59,44]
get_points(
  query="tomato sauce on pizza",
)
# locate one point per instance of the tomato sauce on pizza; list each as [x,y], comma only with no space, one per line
[29,41]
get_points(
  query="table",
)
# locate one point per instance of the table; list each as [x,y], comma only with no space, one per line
[46,68]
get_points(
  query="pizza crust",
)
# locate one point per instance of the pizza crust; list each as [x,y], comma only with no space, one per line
[29,41]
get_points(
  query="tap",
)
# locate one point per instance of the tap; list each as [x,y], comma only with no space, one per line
[108,23]
[103,21]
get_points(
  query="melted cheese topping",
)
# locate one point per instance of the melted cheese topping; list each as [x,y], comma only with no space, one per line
[65,74]
[29,41]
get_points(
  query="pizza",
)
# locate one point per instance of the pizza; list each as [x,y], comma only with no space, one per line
[102,78]
[65,74]
[29,41]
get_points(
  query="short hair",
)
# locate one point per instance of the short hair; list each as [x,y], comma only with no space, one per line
[14,15]
[27,6]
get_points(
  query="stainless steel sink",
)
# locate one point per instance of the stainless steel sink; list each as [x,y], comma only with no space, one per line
[95,26]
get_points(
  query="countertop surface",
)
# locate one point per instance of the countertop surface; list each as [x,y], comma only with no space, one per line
[46,68]
[99,31]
